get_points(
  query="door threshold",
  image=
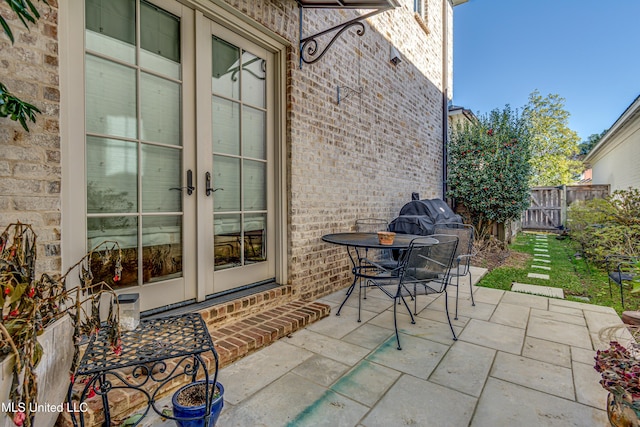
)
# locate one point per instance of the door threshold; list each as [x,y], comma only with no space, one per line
[214,299]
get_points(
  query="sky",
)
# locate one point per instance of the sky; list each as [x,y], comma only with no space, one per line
[586,51]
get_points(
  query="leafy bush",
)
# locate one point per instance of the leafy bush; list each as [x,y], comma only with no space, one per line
[607,226]
[488,168]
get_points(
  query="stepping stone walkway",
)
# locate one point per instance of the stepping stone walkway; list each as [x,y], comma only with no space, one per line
[541,249]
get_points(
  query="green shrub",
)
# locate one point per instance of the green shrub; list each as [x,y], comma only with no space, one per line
[488,168]
[607,226]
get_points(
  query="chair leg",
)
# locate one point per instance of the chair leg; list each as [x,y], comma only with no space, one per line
[610,293]
[621,296]
[413,320]
[360,297]
[457,290]
[473,303]
[395,325]
[446,307]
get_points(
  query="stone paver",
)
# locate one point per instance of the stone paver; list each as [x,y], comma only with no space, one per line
[538,276]
[492,335]
[547,291]
[541,260]
[412,402]
[512,315]
[503,404]
[541,376]
[464,368]
[366,383]
[411,358]
[542,255]
[542,267]
[560,332]
[547,351]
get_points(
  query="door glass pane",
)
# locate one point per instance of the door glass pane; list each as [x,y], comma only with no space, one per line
[226,126]
[161,248]
[161,172]
[112,172]
[253,79]
[227,241]
[110,98]
[254,185]
[111,28]
[160,40]
[226,176]
[160,110]
[124,231]
[255,238]
[225,69]
[253,134]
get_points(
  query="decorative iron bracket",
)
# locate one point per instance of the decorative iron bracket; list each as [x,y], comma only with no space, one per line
[309,49]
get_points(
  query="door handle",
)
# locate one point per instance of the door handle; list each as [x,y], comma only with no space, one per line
[189,186]
[208,188]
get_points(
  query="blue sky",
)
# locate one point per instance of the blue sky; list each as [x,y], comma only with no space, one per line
[586,51]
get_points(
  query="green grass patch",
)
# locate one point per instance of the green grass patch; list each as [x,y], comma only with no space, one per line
[580,280]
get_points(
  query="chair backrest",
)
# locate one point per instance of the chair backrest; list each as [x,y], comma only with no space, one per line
[430,263]
[465,234]
[371,225]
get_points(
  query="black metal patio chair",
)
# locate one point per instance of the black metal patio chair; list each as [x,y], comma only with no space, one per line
[621,270]
[464,253]
[424,270]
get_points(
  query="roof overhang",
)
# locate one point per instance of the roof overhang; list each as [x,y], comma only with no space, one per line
[309,50]
[630,114]
[349,4]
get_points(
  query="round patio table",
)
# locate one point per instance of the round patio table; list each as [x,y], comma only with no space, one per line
[356,242]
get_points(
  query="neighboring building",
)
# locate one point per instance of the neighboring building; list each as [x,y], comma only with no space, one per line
[586,176]
[615,159]
[460,116]
[189,132]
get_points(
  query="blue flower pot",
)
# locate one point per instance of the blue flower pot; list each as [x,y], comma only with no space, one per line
[197,412]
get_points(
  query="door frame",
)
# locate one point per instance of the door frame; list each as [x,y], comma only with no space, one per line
[72,129]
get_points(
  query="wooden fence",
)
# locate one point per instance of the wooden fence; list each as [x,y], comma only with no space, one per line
[548,210]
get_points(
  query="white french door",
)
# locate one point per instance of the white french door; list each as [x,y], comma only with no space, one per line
[235,152]
[178,150]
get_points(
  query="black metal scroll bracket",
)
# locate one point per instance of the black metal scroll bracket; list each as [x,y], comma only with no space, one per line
[309,50]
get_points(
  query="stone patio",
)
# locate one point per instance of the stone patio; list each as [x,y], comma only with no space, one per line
[520,360]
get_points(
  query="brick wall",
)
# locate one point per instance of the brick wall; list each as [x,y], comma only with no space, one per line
[30,173]
[362,158]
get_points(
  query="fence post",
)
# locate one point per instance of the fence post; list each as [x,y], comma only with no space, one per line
[563,205]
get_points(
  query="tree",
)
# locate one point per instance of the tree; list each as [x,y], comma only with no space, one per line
[489,169]
[553,144]
[590,142]
[11,106]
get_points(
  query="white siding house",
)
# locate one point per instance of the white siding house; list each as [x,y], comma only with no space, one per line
[616,157]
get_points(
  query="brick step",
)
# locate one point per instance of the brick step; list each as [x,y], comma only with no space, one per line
[233,340]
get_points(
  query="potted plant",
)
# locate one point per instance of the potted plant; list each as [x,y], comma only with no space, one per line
[619,367]
[190,401]
[30,305]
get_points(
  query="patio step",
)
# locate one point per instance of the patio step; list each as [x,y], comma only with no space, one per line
[238,328]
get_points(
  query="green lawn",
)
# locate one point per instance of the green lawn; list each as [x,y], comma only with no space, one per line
[580,279]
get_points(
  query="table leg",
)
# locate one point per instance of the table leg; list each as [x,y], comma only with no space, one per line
[355,275]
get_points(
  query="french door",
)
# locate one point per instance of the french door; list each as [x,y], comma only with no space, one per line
[178,150]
